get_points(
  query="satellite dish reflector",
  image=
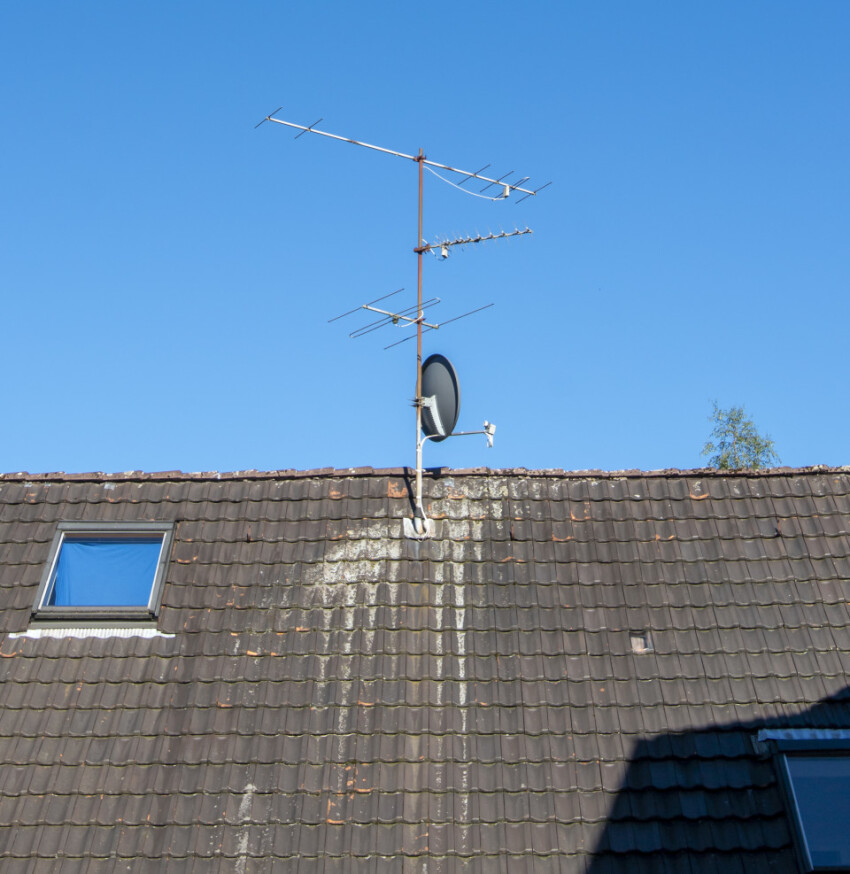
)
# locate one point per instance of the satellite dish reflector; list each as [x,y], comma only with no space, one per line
[440,398]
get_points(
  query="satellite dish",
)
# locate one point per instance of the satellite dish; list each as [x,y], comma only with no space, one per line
[440,398]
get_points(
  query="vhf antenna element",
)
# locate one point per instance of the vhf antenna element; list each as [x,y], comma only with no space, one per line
[504,188]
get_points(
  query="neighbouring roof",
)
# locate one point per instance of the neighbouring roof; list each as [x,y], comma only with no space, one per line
[569,677]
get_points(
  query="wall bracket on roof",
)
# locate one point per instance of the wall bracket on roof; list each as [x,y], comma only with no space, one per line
[411,531]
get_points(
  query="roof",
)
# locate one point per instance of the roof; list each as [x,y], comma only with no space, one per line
[322,694]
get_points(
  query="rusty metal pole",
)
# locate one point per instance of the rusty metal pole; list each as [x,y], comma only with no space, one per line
[419,511]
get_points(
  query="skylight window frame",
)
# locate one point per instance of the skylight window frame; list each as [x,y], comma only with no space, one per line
[797,744]
[99,531]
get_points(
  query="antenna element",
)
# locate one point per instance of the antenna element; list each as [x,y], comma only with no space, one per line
[438,402]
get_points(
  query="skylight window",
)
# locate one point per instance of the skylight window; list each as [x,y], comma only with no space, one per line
[814,770]
[819,787]
[97,570]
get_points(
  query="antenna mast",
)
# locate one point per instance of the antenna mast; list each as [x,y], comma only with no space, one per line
[419,509]
[420,521]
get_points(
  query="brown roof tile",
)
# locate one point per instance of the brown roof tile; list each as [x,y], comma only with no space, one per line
[336,697]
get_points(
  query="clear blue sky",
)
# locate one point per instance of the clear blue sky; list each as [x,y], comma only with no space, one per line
[168,271]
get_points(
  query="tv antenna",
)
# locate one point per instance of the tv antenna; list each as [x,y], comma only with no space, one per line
[429,415]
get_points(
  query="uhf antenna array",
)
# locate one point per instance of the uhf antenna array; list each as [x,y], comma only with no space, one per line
[414,315]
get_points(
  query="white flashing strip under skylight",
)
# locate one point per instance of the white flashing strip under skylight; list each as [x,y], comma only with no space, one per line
[89,632]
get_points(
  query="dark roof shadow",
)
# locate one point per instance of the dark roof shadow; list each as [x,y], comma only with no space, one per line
[707,800]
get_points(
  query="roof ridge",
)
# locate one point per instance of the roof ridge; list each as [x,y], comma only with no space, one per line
[434,472]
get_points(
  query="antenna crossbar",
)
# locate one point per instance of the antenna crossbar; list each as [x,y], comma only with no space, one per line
[388,317]
[528,192]
[476,174]
[500,181]
[538,189]
[365,305]
[427,327]
[395,318]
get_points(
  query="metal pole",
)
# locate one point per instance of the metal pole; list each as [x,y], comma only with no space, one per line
[419,512]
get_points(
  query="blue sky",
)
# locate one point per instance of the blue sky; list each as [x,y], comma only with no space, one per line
[168,271]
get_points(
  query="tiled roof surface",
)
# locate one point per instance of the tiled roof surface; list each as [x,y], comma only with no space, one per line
[329,696]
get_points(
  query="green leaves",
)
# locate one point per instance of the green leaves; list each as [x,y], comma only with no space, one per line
[735,443]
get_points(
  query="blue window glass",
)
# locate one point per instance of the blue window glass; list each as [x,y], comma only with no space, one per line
[105,572]
[821,790]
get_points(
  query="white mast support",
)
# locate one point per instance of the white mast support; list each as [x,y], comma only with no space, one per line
[468,174]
